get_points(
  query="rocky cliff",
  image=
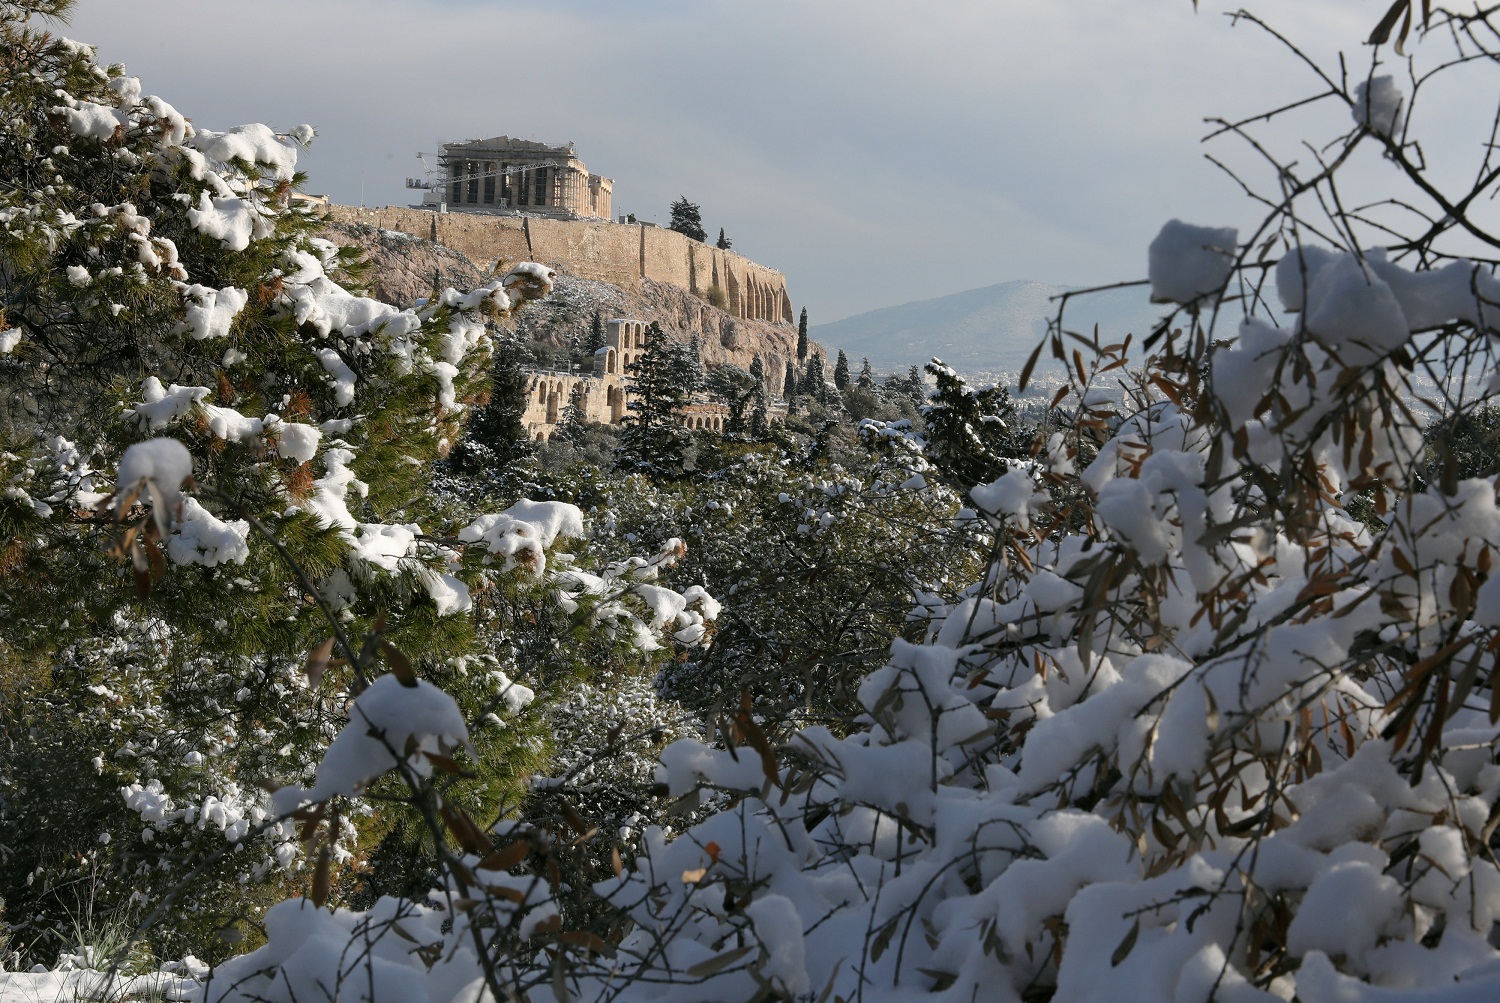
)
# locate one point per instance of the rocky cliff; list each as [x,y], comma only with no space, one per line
[404,268]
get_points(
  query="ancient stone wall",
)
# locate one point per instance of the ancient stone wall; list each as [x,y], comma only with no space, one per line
[617,253]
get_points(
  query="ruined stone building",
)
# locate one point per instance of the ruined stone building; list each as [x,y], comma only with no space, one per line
[502,175]
[605,391]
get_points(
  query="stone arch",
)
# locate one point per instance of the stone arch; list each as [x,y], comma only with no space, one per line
[553,406]
[541,391]
[614,398]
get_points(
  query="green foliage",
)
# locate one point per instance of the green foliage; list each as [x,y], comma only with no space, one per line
[494,438]
[969,433]
[654,442]
[160,282]
[687,218]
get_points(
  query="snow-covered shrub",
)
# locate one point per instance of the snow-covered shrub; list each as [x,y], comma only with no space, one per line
[1193,733]
[168,310]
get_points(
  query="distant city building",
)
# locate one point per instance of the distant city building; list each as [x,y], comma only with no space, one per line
[505,175]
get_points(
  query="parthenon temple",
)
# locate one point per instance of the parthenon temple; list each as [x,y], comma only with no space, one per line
[510,175]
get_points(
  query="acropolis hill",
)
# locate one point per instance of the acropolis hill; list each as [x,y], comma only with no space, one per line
[618,253]
[651,274]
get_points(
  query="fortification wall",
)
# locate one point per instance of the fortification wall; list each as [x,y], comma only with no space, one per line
[617,253]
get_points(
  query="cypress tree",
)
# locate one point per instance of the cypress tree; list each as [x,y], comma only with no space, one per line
[789,381]
[758,371]
[595,342]
[815,380]
[866,379]
[802,336]
[760,421]
[841,371]
[724,243]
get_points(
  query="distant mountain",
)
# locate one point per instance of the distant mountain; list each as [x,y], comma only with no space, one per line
[981,331]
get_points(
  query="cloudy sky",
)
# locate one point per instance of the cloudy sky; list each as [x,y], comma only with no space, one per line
[876,152]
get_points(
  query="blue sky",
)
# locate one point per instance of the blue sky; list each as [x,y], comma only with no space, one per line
[876,152]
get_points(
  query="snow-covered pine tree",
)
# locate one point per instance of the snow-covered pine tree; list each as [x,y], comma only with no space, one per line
[494,439]
[969,432]
[866,378]
[654,442]
[159,281]
[573,421]
[687,362]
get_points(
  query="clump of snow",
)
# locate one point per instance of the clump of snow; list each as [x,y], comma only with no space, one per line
[522,533]
[208,312]
[1296,271]
[385,717]
[232,221]
[253,144]
[200,537]
[292,440]
[156,467]
[160,406]
[1377,105]
[1013,496]
[1353,313]
[1185,263]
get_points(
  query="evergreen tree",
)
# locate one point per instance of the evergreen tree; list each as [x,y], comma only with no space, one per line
[789,381]
[594,343]
[760,420]
[802,336]
[909,387]
[654,441]
[724,242]
[815,379]
[693,365]
[970,432]
[687,218]
[866,379]
[758,371]
[495,436]
[841,371]
[165,309]
[571,423]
